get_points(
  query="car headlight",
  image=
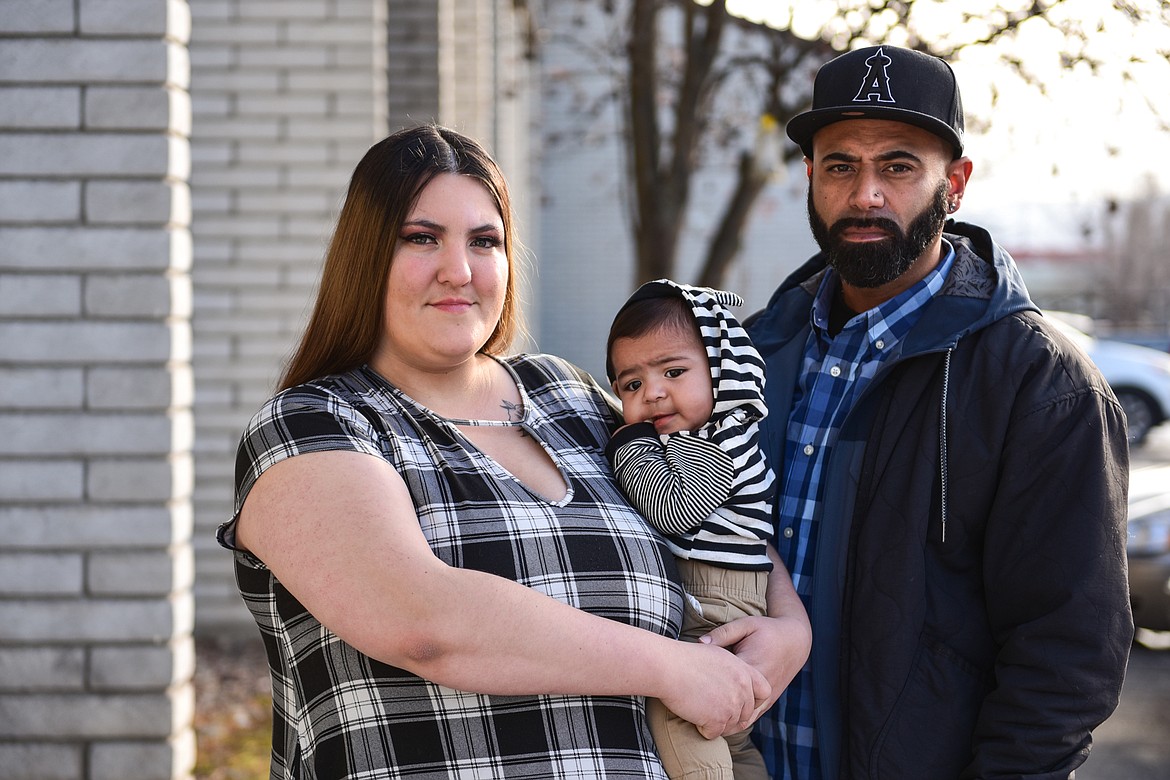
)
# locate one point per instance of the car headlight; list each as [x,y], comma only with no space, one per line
[1149,527]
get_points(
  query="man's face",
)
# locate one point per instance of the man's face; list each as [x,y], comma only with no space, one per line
[870,264]
[879,193]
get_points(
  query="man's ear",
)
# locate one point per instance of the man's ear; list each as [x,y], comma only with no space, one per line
[958,174]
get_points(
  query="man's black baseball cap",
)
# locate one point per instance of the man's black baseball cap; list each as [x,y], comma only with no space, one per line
[884,82]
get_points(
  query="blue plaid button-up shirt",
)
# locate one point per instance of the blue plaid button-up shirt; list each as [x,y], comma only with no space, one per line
[835,372]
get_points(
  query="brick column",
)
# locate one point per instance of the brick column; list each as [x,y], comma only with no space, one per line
[413,63]
[96,610]
[287,96]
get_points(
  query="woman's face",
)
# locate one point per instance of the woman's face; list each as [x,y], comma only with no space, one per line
[448,278]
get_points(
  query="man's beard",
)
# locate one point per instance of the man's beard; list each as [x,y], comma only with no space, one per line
[875,263]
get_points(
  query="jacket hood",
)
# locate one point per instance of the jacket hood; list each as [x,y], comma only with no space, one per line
[737,370]
[986,273]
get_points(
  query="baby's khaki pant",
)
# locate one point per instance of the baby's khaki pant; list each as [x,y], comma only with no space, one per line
[724,595]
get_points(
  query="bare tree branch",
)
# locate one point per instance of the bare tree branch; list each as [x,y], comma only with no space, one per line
[690,102]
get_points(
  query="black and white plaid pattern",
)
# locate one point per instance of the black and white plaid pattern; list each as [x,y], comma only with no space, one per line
[341,714]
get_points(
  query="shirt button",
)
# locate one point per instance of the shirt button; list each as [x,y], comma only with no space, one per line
[808,449]
[788,532]
[880,344]
[835,371]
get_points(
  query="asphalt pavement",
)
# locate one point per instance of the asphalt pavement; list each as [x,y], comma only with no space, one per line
[1134,744]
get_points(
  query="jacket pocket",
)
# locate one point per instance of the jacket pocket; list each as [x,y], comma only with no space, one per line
[928,733]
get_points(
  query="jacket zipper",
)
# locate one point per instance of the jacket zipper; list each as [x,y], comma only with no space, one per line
[942,434]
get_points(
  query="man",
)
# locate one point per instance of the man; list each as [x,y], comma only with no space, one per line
[953,471]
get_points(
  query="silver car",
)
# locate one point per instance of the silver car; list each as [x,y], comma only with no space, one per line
[1149,547]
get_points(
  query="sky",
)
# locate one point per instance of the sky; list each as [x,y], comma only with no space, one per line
[1055,156]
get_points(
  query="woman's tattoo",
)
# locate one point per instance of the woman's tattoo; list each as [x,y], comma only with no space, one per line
[515,413]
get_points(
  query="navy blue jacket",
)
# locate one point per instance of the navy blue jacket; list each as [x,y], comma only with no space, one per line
[995,652]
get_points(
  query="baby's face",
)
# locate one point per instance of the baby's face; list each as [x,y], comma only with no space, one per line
[663,377]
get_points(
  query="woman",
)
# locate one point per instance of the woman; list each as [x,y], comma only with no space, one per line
[476,597]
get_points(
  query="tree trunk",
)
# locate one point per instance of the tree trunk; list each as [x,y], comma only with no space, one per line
[728,238]
[662,169]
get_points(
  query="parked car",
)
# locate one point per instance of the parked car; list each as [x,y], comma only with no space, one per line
[1139,376]
[1149,547]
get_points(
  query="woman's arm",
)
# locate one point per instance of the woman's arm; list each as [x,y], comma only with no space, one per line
[338,529]
[777,645]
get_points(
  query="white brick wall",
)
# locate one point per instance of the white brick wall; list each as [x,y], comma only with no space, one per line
[96,656]
[118,426]
[287,96]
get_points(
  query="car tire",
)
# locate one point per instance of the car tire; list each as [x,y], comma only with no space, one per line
[1141,413]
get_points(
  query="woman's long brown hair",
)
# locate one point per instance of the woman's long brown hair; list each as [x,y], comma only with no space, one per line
[348,315]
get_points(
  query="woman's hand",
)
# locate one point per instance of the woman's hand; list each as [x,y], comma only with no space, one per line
[715,690]
[776,647]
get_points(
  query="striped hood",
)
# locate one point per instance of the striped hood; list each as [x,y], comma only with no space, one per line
[737,370]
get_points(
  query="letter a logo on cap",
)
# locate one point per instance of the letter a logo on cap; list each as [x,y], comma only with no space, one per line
[876,84]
